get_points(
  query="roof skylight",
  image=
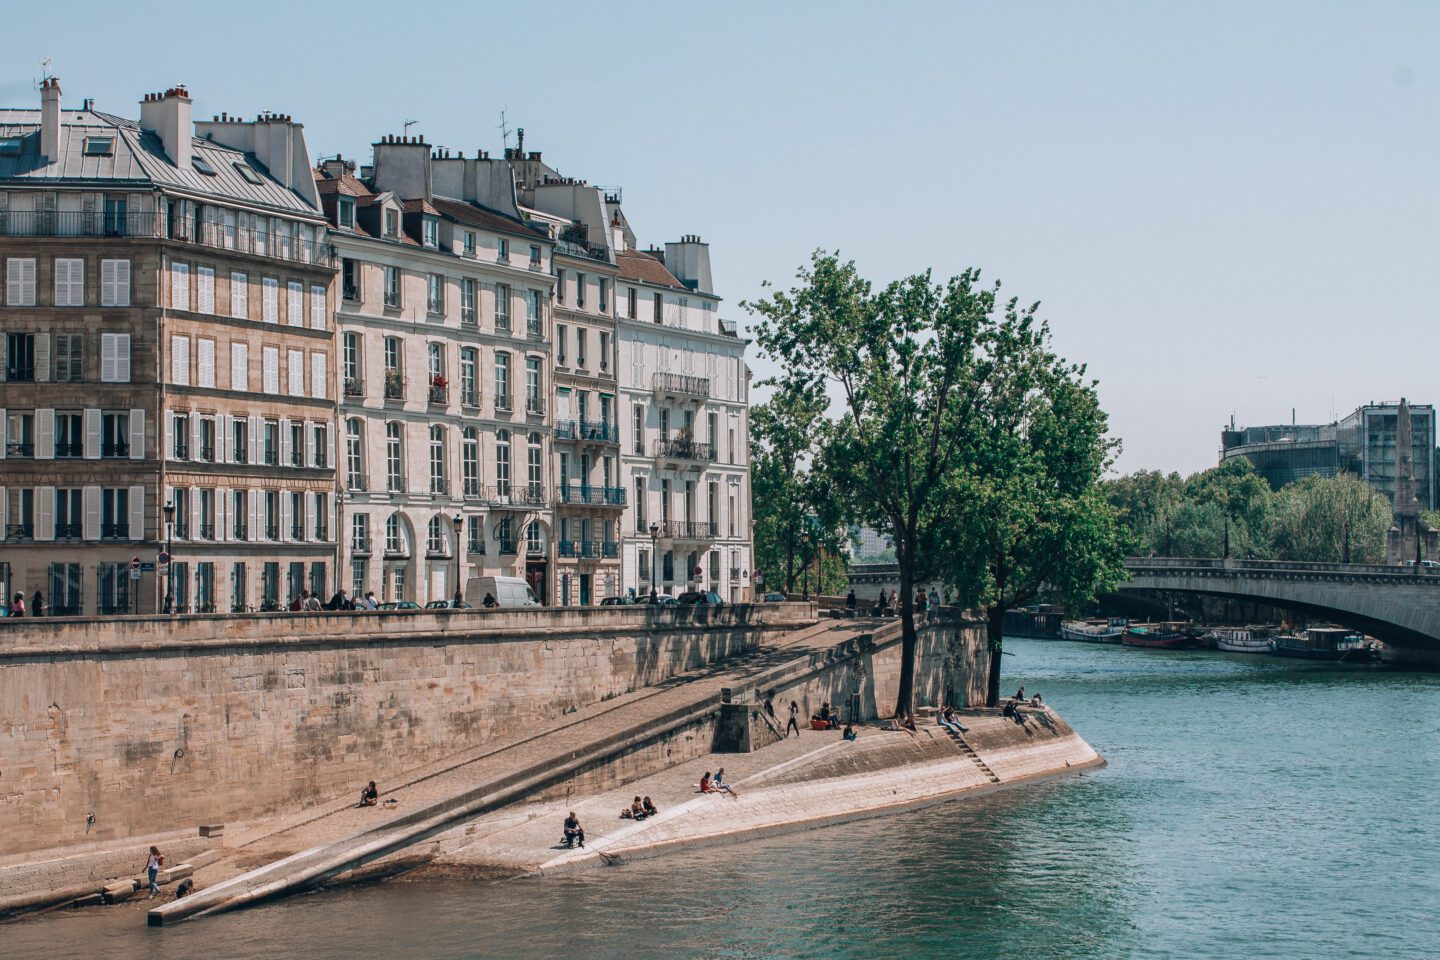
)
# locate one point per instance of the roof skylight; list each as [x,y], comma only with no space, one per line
[99,146]
[249,174]
[202,166]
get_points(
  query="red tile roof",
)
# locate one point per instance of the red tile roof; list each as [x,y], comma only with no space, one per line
[478,216]
[646,268]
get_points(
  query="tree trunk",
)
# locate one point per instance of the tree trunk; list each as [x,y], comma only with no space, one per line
[994,630]
[789,566]
[905,700]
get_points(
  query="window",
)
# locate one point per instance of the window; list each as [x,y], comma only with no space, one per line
[113,588]
[664,424]
[394,536]
[69,435]
[296,441]
[392,223]
[632,295]
[467,301]
[207,440]
[731,513]
[360,533]
[247,174]
[641,526]
[580,290]
[114,513]
[580,338]
[205,355]
[392,286]
[180,499]
[354,455]
[237,588]
[240,440]
[435,293]
[68,367]
[604,295]
[20,282]
[437,459]
[667,571]
[180,286]
[114,283]
[502,381]
[69,514]
[20,356]
[713,506]
[320,440]
[475,535]
[659,307]
[637,428]
[115,435]
[99,146]
[69,282]
[350,365]
[470,462]
[664,502]
[270,513]
[534,401]
[180,361]
[642,565]
[534,256]
[270,445]
[239,296]
[502,306]
[532,311]
[469,390]
[436,544]
[394,477]
[205,587]
[205,288]
[560,286]
[270,586]
[239,365]
[319,375]
[503,256]
[468,243]
[349,280]
[270,300]
[604,350]
[318,307]
[502,463]
[345,213]
[535,468]
[239,514]
[560,343]
[430,231]
[295,373]
[20,435]
[297,515]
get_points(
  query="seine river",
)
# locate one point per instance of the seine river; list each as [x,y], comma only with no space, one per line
[1252,807]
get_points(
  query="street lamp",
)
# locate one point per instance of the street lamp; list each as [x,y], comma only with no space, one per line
[459,545]
[170,556]
[654,555]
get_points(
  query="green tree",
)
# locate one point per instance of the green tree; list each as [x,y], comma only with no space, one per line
[1146,504]
[1327,519]
[1227,512]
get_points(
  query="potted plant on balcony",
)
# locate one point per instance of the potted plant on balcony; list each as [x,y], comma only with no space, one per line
[353,387]
[394,384]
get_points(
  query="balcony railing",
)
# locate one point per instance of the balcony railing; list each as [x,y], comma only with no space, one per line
[508,548]
[467,316]
[533,329]
[680,448]
[69,449]
[516,495]
[592,496]
[502,402]
[207,454]
[470,398]
[392,298]
[583,549]
[595,431]
[350,292]
[67,531]
[13,449]
[439,393]
[681,384]
[20,373]
[360,546]
[354,388]
[689,529]
[537,264]
[297,530]
[734,573]
[502,322]
[240,531]
[97,223]
[535,406]
[589,251]
[19,531]
[115,531]
[272,531]
[394,386]
[207,531]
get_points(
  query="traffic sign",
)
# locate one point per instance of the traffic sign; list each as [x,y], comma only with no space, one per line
[163,559]
[135,564]
[147,568]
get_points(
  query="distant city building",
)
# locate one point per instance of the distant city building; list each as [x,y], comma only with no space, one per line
[869,543]
[1362,444]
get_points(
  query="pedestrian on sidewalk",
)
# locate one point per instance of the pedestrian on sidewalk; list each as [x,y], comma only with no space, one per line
[37,605]
[152,870]
[794,723]
[17,605]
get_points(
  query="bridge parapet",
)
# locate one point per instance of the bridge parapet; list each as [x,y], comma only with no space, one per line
[1282,570]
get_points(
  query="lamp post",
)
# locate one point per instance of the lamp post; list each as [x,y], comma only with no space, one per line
[170,557]
[654,556]
[459,545]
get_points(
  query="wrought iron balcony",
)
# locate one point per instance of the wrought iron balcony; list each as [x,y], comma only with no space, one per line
[571,248]
[502,322]
[69,449]
[360,546]
[13,449]
[535,406]
[508,548]
[115,531]
[354,387]
[520,495]
[689,530]
[158,224]
[439,393]
[681,385]
[589,549]
[503,403]
[534,330]
[19,531]
[594,431]
[68,531]
[683,448]
[122,449]
[585,494]
[394,385]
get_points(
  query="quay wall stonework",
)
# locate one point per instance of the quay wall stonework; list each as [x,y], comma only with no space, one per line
[153,724]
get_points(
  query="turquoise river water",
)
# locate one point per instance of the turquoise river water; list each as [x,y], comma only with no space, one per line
[1251,808]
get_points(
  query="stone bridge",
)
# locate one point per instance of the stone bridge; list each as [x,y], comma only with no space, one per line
[1399,605]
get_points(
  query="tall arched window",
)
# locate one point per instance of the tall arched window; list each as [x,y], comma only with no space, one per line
[354,454]
[470,462]
[437,459]
[395,543]
[394,458]
[502,463]
[535,476]
[436,543]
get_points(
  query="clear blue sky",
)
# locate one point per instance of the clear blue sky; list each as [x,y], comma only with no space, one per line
[1223,207]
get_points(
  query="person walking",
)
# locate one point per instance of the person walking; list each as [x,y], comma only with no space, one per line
[152,870]
[934,604]
[17,605]
[794,723]
[37,605]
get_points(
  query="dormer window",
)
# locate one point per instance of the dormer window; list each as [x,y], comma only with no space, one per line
[345,213]
[504,255]
[431,232]
[469,243]
[392,223]
[201,166]
[99,146]
[10,146]
[247,174]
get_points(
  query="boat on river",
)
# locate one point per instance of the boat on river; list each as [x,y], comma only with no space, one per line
[1094,631]
[1241,639]
[1326,643]
[1162,636]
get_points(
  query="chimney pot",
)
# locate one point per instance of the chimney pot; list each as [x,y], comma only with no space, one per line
[50,119]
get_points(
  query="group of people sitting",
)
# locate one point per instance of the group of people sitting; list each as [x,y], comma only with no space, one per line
[826,719]
[1013,705]
[949,718]
[716,784]
[638,810]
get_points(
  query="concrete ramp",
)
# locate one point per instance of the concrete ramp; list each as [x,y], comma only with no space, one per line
[341,841]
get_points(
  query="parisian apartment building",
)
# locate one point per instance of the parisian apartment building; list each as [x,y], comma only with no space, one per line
[169,356]
[390,377]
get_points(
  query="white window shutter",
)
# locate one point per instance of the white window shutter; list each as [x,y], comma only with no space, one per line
[137,434]
[254,439]
[107,357]
[180,361]
[13,289]
[206,278]
[295,304]
[44,434]
[137,513]
[107,282]
[222,438]
[222,513]
[284,441]
[62,282]
[45,513]
[4,507]
[122,357]
[317,307]
[295,373]
[91,496]
[207,363]
[284,515]
[239,296]
[42,357]
[318,376]
[3,421]
[308,456]
[169,452]
[329,447]
[254,527]
[180,286]
[92,422]
[270,304]
[75,295]
[122,283]
[309,514]
[195,513]
[270,372]
[239,365]
[194,435]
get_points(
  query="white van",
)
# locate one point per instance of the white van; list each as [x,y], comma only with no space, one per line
[507,591]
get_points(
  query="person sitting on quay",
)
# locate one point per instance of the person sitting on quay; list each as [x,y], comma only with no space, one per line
[369,796]
[849,733]
[826,719]
[312,603]
[297,602]
[950,720]
[1020,694]
[636,811]
[705,783]
[489,603]
[850,601]
[719,783]
[649,807]
[1035,701]
[1012,710]
[574,833]
[340,601]
[909,722]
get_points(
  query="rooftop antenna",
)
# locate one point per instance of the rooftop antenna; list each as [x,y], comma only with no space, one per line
[407,125]
[504,129]
[44,68]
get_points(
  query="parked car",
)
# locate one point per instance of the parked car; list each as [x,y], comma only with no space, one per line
[447,605]
[399,605]
[624,601]
[702,597]
[774,598]
[662,600]
[1428,564]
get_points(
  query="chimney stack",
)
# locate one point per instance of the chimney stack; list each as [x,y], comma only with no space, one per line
[689,260]
[168,116]
[50,118]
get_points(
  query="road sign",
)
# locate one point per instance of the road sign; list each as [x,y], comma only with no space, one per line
[163,559]
[134,573]
[135,564]
[147,568]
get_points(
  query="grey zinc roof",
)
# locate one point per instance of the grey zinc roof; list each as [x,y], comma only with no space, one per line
[138,158]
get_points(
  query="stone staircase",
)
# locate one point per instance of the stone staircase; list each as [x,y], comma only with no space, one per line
[969,751]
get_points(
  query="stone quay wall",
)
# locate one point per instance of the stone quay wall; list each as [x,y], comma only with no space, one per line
[130,726]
